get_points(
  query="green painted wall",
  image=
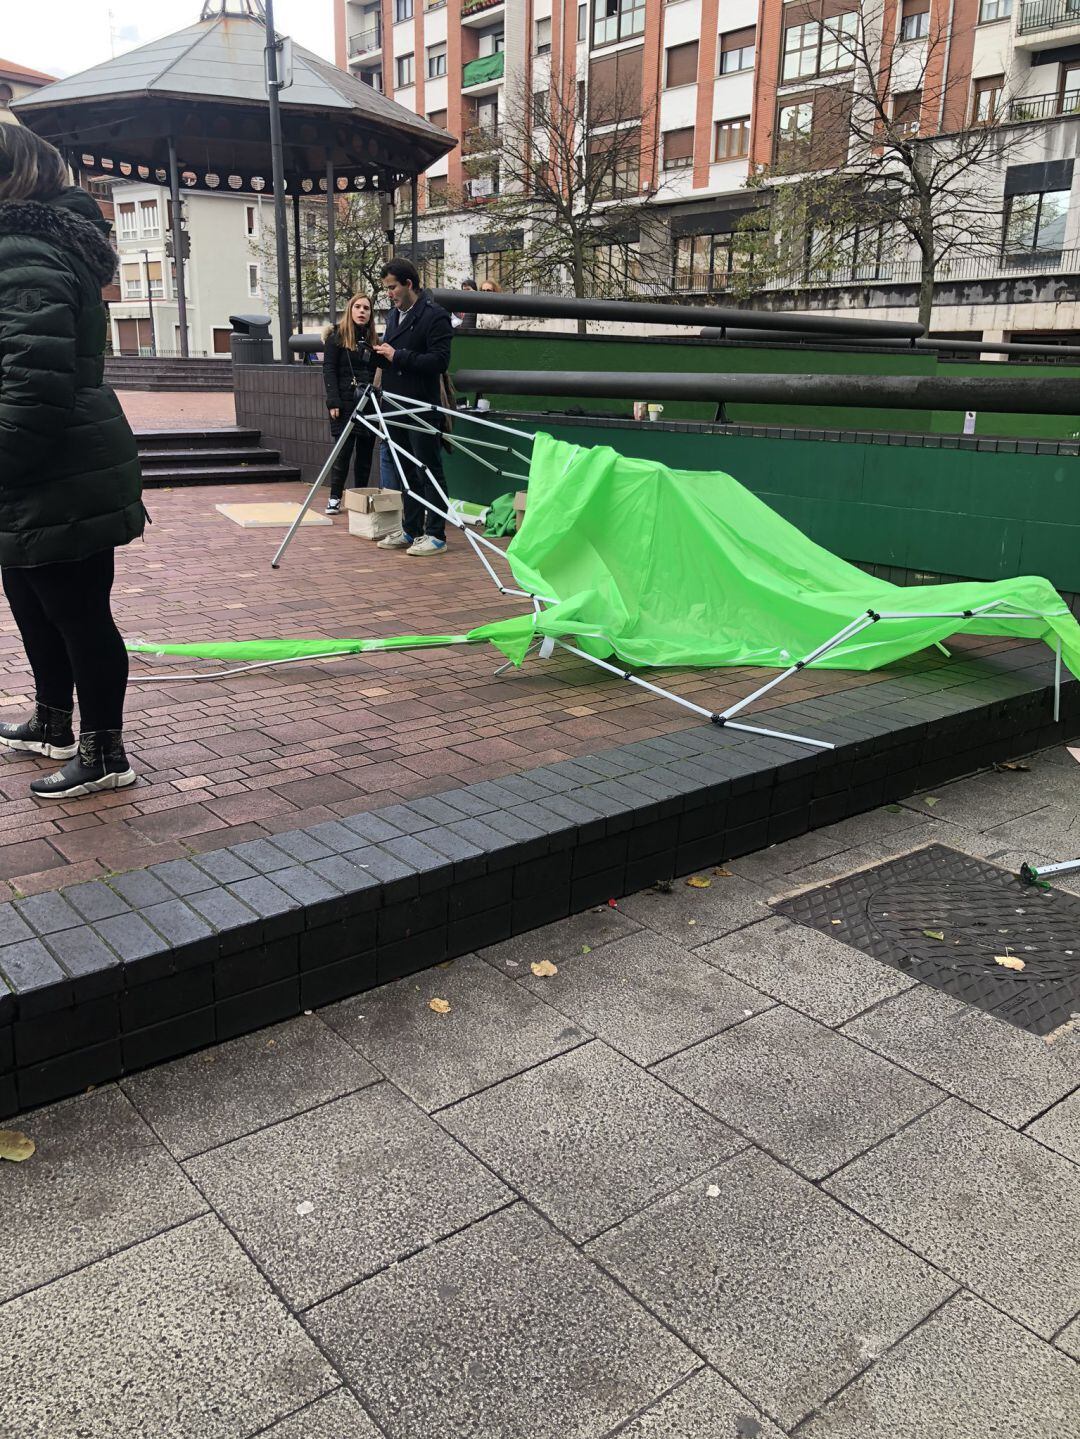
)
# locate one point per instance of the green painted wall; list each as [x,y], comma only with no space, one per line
[492,349]
[970,513]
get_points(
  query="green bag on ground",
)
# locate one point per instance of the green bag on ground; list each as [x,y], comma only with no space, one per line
[501,519]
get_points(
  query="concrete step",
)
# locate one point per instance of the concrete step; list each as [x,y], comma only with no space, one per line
[220,475]
[155,459]
[214,439]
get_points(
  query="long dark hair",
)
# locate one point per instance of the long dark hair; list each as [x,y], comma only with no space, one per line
[30,168]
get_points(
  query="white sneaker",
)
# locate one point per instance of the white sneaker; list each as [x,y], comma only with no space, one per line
[427,545]
[333,507]
[398,540]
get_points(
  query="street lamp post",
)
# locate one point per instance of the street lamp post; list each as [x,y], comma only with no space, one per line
[277,160]
[149,302]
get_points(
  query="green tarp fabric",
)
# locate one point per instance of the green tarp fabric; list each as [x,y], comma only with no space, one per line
[501,519]
[262,651]
[679,567]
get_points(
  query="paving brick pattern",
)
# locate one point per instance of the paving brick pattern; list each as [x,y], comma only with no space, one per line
[280,749]
[544,1212]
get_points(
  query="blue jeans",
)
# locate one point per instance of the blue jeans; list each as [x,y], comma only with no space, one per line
[389,479]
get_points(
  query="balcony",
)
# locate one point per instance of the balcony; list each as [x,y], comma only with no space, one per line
[365,42]
[488,70]
[481,12]
[1043,107]
[1041,18]
[481,190]
[480,139]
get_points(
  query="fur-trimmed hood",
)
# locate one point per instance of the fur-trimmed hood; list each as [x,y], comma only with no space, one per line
[72,221]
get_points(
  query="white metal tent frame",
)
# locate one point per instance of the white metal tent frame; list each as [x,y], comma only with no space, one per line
[399,413]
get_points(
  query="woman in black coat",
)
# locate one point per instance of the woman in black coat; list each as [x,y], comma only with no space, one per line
[347,367]
[70,487]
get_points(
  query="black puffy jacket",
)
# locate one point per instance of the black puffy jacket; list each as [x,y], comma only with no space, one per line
[69,471]
[341,367]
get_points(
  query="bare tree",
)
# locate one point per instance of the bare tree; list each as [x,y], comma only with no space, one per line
[360,249]
[568,173]
[889,172]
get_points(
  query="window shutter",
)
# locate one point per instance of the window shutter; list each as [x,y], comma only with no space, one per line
[682,63]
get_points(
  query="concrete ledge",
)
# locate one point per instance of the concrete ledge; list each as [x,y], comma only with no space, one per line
[104,978]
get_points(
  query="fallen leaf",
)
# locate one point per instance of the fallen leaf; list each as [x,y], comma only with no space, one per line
[1013,765]
[440,1006]
[713,1191]
[930,800]
[933,934]
[894,809]
[1008,961]
[723,873]
[15,1145]
[586,949]
[543,968]
[305,1208]
[698,881]
[836,921]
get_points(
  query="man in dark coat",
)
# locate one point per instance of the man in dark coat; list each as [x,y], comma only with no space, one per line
[414,356]
[70,487]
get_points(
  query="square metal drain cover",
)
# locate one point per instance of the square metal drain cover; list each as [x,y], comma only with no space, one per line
[896,910]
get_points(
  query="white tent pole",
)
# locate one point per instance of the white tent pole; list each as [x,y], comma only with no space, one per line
[1057,681]
[855,627]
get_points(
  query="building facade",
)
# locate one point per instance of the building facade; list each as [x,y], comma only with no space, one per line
[724,85]
[16,82]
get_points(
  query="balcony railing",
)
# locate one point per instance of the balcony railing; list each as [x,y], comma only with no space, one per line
[483,70]
[366,41]
[898,272]
[481,190]
[1047,15]
[480,139]
[470,7]
[1044,107]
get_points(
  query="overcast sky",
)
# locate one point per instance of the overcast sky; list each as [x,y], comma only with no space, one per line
[61,37]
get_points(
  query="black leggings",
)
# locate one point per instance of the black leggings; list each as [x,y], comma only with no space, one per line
[71,639]
[358,447]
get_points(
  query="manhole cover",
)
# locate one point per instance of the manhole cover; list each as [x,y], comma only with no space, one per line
[896,911]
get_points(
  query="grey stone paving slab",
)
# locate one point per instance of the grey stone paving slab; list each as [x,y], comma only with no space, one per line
[968,1373]
[647,997]
[532,1340]
[493,1029]
[382,1180]
[989,799]
[704,1407]
[98,1182]
[785,1292]
[1002,1069]
[1069,1339]
[697,916]
[1051,831]
[225,1092]
[802,1091]
[338,1416]
[806,970]
[177,1337]
[1060,1127]
[589,1138]
[559,941]
[768,867]
[864,856]
[989,1206]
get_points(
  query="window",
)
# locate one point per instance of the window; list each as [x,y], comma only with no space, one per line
[707,262]
[615,160]
[915,20]
[1035,224]
[820,48]
[612,267]
[737,50]
[795,124]
[1069,89]
[403,71]
[615,20]
[157,285]
[540,107]
[681,67]
[403,10]
[432,271]
[251,216]
[501,266]
[615,87]
[732,139]
[149,223]
[985,97]
[436,61]
[6,94]
[906,111]
[678,148]
[438,194]
[132,278]
[543,36]
[373,78]
[129,225]
[254,280]
[490,42]
[990,10]
[582,23]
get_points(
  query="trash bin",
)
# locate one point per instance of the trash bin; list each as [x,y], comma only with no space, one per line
[250,342]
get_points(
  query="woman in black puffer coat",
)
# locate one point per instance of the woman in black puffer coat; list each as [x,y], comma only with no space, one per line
[347,369]
[70,487]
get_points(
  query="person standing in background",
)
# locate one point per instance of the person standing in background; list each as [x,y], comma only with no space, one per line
[465,319]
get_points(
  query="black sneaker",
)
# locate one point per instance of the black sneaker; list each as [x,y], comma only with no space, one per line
[333,507]
[99,763]
[48,731]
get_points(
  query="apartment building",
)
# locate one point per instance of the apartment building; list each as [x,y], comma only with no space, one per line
[222,238]
[725,84]
[16,82]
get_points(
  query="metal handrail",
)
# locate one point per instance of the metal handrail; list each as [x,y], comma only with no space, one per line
[1047,15]
[1044,107]
[365,40]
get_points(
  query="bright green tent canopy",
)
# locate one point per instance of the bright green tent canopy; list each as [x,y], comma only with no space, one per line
[678,567]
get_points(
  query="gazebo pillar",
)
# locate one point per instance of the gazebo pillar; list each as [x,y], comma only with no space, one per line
[414,229]
[178,248]
[331,256]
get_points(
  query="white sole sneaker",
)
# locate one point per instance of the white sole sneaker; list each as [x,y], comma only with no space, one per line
[92,786]
[50,751]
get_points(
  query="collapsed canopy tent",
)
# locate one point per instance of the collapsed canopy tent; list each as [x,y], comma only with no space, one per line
[651,566]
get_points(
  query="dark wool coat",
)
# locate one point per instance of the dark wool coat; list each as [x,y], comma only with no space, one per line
[421,339]
[70,484]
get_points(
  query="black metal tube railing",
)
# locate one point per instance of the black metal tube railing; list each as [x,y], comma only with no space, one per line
[1047,15]
[1043,107]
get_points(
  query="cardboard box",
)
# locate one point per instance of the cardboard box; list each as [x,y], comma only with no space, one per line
[373,513]
[519,508]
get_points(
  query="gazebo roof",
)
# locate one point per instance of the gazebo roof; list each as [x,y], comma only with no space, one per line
[205,85]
